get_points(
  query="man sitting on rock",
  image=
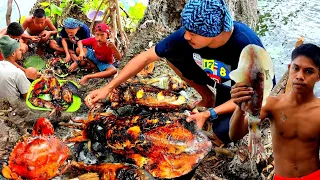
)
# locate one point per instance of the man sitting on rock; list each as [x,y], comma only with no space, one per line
[13,80]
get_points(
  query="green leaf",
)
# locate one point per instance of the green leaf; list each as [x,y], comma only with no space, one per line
[47,11]
[44,4]
[55,9]
[136,12]
[23,18]
[34,61]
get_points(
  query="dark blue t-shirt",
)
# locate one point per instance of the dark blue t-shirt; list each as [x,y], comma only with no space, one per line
[217,63]
[203,65]
[83,33]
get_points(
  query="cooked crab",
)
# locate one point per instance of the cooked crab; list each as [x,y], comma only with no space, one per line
[40,156]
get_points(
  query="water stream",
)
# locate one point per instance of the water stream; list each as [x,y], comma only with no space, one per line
[282,22]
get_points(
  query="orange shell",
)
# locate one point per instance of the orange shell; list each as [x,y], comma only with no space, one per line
[38,157]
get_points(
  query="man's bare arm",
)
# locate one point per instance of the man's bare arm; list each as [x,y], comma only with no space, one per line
[25,26]
[53,29]
[239,124]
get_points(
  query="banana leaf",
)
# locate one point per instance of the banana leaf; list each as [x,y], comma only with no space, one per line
[34,61]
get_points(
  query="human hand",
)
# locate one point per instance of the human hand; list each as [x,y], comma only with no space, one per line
[35,39]
[68,57]
[96,95]
[111,44]
[45,35]
[240,93]
[73,67]
[84,80]
[199,118]
[81,55]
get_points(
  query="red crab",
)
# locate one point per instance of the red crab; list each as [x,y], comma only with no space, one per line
[37,157]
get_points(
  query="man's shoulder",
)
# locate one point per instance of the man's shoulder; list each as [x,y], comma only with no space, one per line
[28,19]
[242,34]
[48,20]
[271,101]
[175,42]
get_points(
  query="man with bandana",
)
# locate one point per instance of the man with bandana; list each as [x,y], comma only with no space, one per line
[73,30]
[202,52]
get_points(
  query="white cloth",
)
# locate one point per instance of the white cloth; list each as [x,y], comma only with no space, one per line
[13,81]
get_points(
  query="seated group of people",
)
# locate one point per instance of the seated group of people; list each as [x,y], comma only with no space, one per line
[75,41]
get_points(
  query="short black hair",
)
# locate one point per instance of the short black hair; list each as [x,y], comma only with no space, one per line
[39,13]
[15,29]
[309,50]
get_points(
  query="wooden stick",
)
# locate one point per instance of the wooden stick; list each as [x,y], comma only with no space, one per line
[114,28]
[95,16]
[18,10]
[9,11]
[106,14]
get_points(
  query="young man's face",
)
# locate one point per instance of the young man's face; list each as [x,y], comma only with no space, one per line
[72,32]
[303,74]
[198,42]
[101,37]
[18,54]
[39,22]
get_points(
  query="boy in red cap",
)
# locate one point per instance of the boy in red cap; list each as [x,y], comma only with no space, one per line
[100,53]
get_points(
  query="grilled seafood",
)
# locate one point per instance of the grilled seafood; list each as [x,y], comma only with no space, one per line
[37,157]
[256,70]
[56,108]
[60,68]
[164,82]
[60,96]
[114,171]
[164,144]
[147,96]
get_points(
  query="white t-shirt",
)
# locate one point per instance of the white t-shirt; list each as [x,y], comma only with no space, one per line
[13,81]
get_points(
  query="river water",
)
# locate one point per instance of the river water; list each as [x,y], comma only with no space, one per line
[282,22]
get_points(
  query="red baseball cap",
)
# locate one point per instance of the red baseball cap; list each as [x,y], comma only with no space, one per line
[103,28]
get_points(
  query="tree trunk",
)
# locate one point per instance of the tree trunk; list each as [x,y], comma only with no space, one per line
[163,17]
[9,11]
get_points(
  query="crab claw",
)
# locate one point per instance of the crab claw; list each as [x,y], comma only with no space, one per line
[42,127]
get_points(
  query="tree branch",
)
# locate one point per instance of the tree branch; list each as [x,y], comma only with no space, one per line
[127,15]
[9,11]
[18,10]
[95,16]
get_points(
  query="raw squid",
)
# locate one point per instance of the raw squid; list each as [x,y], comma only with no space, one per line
[255,69]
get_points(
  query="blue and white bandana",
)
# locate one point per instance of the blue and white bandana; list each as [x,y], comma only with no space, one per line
[71,23]
[207,18]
